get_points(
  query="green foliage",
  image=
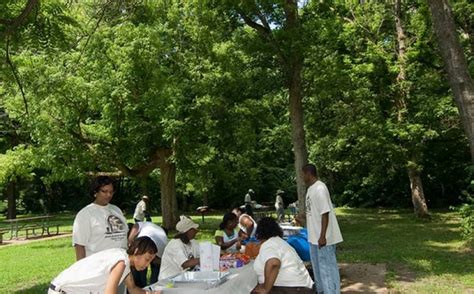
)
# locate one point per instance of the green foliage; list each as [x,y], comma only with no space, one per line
[107,83]
[16,163]
[467,219]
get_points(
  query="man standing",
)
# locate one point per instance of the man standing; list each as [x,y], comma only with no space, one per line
[248,202]
[141,210]
[279,206]
[323,232]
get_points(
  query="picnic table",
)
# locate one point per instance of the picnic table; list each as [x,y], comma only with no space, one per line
[240,281]
[30,225]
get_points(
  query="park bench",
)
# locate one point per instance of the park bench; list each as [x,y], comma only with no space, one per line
[30,225]
[2,232]
[44,229]
[31,229]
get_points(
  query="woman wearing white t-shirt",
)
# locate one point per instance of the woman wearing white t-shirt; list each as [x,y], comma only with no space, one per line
[182,252]
[278,266]
[100,225]
[248,226]
[102,272]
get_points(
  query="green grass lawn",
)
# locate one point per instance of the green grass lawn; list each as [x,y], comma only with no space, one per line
[431,251]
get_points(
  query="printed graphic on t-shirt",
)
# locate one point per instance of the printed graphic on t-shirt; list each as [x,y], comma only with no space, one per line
[115,228]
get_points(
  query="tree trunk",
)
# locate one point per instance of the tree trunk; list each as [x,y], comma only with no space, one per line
[290,57]
[11,198]
[294,70]
[169,205]
[456,66]
[417,194]
[297,130]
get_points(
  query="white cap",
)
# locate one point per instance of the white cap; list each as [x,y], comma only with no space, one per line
[145,197]
[185,224]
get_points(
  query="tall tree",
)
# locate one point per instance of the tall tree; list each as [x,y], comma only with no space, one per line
[414,173]
[279,26]
[455,63]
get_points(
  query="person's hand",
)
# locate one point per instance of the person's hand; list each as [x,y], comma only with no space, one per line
[300,219]
[322,242]
[259,290]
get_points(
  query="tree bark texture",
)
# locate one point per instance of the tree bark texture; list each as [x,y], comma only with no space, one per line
[416,185]
[169,204]
[290,59]
[417,194]
[455,63]
[11,199]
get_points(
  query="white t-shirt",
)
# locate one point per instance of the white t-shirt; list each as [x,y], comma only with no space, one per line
[244,229]
[99,228]
[292,272]
[278,202]
[90,274]
[318,202]
[176,253]
[155,233]
[247,198]
[140,211]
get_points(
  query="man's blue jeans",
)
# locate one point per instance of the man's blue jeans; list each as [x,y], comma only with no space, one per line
[326,271]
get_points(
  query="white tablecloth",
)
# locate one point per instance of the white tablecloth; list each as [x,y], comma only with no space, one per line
[240,281]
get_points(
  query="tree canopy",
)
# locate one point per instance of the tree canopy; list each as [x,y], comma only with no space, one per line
[191,101]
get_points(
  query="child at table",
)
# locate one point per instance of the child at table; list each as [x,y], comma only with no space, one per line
[103,271]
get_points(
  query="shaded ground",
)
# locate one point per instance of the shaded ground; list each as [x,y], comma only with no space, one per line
[363,278]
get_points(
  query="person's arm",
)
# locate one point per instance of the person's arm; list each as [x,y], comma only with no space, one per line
[80,251]
[225,245]
[272,268]
[190,263]
[81,233]
[114,278]
[243,235]
[324,227]
[133,289]
[133,233]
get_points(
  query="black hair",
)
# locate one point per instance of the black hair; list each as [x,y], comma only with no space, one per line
[99,182]
[228,217]
[267,227]
[142,245]
[311,169]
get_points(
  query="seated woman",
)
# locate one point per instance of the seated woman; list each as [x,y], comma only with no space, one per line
[227,237]
[182,252]
[103,271]
[278,266]
[248,227]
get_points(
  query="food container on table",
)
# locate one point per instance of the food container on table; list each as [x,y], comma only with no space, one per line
[228,262]
[199,280]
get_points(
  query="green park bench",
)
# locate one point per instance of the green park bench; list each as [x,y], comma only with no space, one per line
[31,225]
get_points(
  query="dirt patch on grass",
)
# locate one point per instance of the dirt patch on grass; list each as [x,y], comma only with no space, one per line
[363,278]
[13,242]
